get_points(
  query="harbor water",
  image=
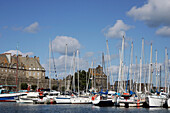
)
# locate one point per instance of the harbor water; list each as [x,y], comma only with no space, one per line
[70,108]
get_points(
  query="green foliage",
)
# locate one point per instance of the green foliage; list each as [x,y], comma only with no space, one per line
[82,80]
[63,89]
[33,87]
[55,87]
[24,86]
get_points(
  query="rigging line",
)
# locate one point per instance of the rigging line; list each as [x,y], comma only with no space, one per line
[53,61]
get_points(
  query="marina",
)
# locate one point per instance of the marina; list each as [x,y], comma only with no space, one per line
[85,56]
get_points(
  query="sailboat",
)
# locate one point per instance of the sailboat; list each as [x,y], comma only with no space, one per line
[66,98]
[77,99]
[103,98]
[159,98]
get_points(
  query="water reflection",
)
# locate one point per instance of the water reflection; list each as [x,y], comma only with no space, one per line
[29,108]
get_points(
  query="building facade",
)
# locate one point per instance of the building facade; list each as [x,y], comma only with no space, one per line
[15,70]
[98,78]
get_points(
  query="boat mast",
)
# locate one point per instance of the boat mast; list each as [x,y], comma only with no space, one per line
[160,79]
[78,70]
[120,68]
[92,70]
[65,67]
[108,60]
[122,64]
[50,65]
[166,61]
[74,71]
[140,74]
[136,70]
[131,62]
[150,71]
[17,71]
[156,70]
[107,63]
[103,65]
[168,74]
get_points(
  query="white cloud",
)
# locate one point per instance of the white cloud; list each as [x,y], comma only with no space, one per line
[60,65]
[118,30]
[59,44]
[89,54]
[112,57]
[154,13]
[5,27]
[17,28]
[33,28]
[164,31]
[119,44]
[19,52]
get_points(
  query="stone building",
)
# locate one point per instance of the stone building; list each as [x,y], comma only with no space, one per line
[99,79]
[18,69]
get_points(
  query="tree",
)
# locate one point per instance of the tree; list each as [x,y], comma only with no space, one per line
[33,87]
[24,86]
[55,87]
[62,88]
[82,80]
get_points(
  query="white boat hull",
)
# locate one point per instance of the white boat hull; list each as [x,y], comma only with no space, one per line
[62,99]
[99,102]
[168,102]
[81,100]
[156,101]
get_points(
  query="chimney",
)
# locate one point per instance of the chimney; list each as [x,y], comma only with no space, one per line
[19,56]
[38,59]
[14,55]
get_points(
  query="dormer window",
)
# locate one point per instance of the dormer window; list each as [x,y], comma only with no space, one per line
[6,65]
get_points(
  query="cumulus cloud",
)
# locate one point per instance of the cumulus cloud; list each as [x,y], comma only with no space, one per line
[89,54]
[118,30]
[5,27]
[33,28]
[60,65]
[111,57]
[164,31]
[153,13]
[119,44]
[19,52]
[59,44]
[17,28]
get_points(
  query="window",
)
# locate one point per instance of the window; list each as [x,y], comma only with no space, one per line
[5,70]
[33,73]
[29,73]
[34,68]
[38,75]
[29,68]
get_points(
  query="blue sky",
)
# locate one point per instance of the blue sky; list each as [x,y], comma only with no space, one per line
[85,25]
